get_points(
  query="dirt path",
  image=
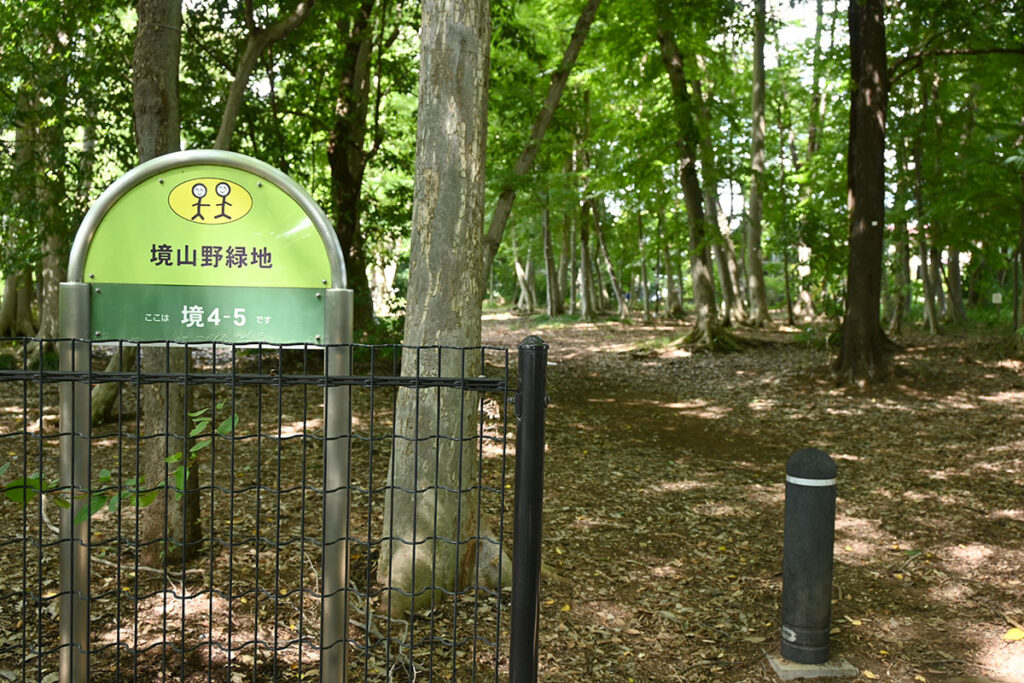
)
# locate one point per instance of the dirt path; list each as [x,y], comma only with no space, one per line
[664,501]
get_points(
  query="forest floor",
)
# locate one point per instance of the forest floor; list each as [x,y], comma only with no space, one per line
[664,498]
[663,520]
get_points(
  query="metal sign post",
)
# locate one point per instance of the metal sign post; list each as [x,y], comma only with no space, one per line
[194,247]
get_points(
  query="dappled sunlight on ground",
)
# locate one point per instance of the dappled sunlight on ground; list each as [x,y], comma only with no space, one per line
[665,497]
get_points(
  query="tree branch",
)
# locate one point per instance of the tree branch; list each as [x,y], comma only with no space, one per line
[503,207]
[255,44]
[919,56]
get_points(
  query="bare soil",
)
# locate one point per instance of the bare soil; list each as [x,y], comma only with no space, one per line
[665,491]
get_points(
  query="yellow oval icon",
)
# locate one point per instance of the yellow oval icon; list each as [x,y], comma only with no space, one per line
[210,201]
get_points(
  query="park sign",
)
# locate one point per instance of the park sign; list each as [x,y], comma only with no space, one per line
[198,247]
[207,246]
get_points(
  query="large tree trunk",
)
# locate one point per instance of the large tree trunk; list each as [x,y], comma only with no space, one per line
[157,129]
[348,156]
[503,207]
[862,355]
[759,314]
[433,540]
[706,331]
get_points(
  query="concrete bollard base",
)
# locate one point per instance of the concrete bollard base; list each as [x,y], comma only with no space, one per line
[837,667]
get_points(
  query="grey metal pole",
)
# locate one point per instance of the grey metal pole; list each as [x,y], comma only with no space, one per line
[74,478]
[337,425]
[810,522]
[531,402]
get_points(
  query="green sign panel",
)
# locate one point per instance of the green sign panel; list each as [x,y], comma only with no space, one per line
[207,246]
[276,315]
[207,225]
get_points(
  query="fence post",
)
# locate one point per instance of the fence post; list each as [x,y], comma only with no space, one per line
[337,480]
[75,424]
[531,402]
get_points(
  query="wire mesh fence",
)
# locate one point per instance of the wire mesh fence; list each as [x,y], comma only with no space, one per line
[217,537]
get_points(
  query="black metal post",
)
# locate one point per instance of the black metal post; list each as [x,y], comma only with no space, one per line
[531,402]
[807,556]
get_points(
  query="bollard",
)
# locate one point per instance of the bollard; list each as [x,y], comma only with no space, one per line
[808,537]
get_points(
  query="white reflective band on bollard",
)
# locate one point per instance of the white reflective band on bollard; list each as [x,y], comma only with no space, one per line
[800,481]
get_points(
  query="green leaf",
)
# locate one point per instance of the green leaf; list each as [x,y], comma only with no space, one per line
[199,428]
[105,475]
[225,427]
[23,490]
[180,477]
[60,502]
[96,503]
[199,445]
[197,413]
[147,498]
[3,468]
[173,458]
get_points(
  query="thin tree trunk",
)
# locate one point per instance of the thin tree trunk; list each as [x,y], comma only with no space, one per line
[804,308]
[256,42]
[673,304]
[620,299]
[16,312]
[790,317]
[931,311]
[553,293]
[564,258]
[1019,312]
[674,276]
[759,314]
[706,331]
[588,306]
[954,285]
[503,206]
[901,277]
[572,280]
[733,309]
[935,275]
[588,300]
[644,284]
[347,154]
[600,294]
